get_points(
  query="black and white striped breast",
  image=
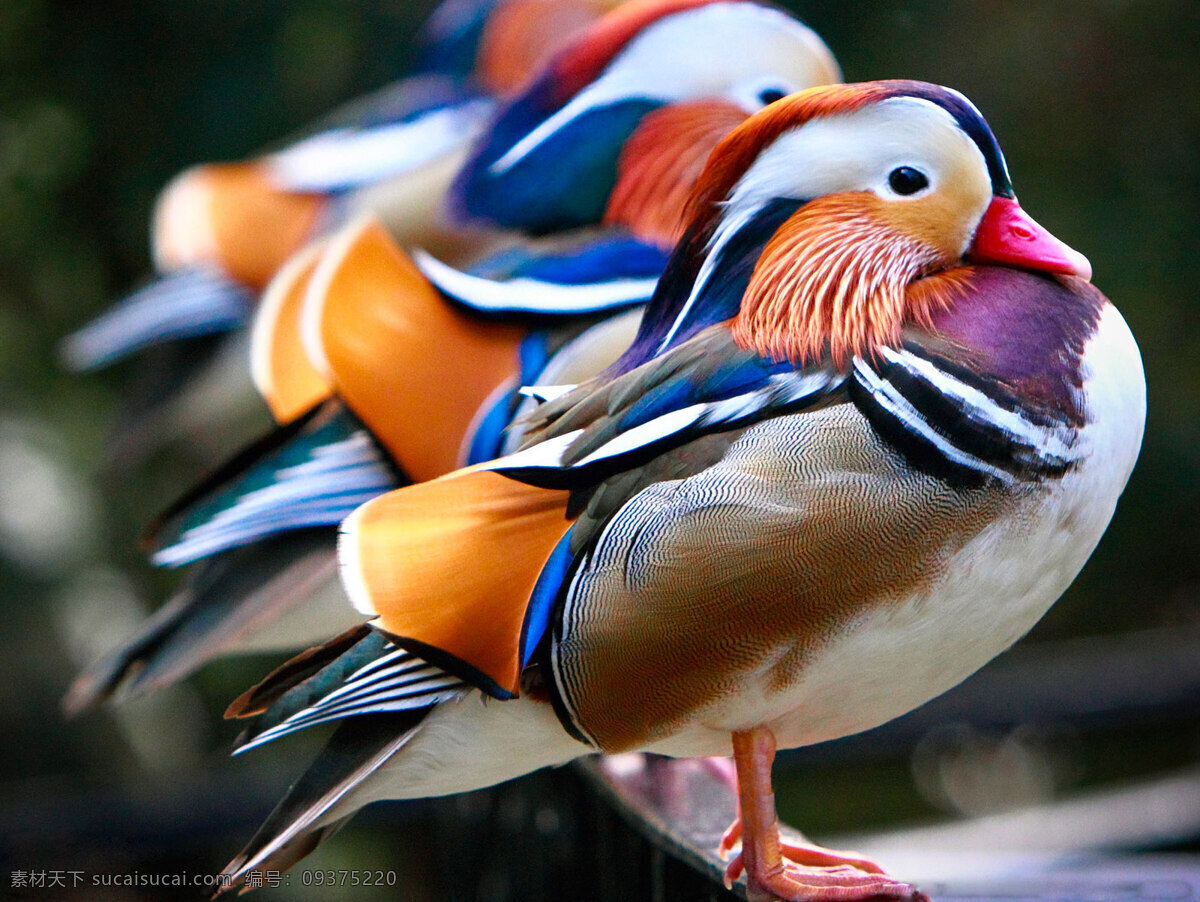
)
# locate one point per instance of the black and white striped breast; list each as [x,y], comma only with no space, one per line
[957,425]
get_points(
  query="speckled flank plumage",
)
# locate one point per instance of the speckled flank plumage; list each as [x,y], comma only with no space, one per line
[753,566]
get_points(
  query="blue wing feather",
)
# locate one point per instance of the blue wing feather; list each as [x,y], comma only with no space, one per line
[563,182]
[184,304]
[316,478]
[545,594]
[599,274]
[704,385]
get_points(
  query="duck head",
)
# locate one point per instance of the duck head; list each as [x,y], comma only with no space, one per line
[501,42]
[831,219]
[549,160]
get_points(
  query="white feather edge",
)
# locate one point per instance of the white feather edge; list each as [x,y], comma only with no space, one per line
[349,157]
[786,387]
[350,564]
[170,306]
[888,397]
[531,295]
[313,312]
[545,392]
[332,478]
[973,399]
[266,321]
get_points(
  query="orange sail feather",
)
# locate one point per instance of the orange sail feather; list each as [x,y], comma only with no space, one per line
[451,564]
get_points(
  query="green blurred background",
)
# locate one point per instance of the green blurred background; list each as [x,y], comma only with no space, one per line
[1097,106]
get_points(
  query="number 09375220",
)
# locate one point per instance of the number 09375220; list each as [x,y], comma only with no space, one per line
[347,877]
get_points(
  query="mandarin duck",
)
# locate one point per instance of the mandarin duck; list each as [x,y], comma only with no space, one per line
[383,369]
[874,422]
[220,232]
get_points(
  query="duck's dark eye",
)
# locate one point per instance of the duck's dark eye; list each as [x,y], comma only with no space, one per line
[770,95]
[905,180]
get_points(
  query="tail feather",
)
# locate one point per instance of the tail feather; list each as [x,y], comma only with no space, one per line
[226,599]
[229,471]
[294,672]
[300,822]
[184,304]
[195,392]
[313,472]
[359,672]
[281,859]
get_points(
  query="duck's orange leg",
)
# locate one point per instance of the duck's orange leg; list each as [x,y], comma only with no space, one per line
[778,870]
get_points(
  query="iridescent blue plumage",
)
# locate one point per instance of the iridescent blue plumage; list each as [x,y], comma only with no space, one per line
[677,311]
[562,182]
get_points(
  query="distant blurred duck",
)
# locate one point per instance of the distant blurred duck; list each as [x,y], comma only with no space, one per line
[383,370]
[873,424]
[221,231]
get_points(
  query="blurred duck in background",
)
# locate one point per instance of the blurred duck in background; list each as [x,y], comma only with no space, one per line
[222,231]
[383,369]
[874,421]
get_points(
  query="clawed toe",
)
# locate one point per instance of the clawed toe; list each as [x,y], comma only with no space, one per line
[840,883]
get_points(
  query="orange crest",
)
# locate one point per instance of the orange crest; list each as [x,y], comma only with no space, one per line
[741,147]
[660,164]
[521,35]
[837,279]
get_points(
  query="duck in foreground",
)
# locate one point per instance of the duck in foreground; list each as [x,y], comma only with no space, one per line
[873,424]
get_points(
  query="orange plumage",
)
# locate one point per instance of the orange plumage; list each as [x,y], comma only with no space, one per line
[834,278]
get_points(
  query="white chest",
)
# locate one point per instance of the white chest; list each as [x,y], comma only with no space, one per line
[998,585]
[994,589]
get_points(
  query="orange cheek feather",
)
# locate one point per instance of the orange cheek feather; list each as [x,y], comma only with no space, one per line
[834,279]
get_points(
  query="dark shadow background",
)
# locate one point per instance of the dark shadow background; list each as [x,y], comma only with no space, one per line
[1096,105]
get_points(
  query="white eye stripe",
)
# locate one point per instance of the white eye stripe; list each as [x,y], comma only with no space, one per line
[695,53]
[857,151]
